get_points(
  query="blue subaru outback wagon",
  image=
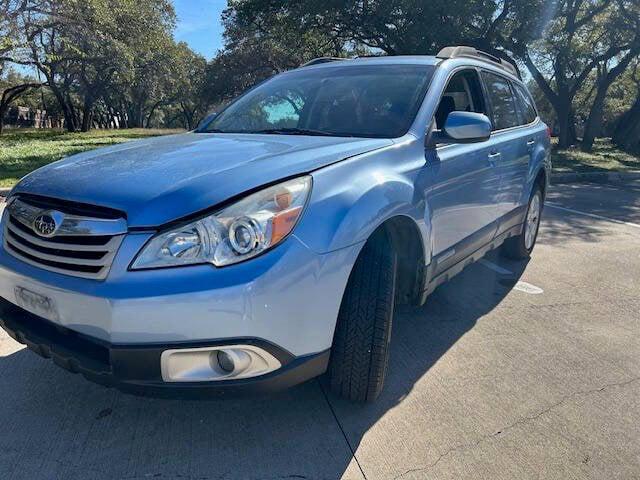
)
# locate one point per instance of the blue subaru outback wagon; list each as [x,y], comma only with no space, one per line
[271,244]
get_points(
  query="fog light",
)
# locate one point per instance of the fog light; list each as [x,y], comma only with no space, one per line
[225,362]
[234,361]
[216,363]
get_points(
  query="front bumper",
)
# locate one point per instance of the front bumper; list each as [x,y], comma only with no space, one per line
[135,369]
[114,331]
[290,297]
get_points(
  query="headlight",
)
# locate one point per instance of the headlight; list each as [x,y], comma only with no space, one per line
[241,231]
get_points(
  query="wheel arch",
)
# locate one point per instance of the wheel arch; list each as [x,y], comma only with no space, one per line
[406,241]
[542,180]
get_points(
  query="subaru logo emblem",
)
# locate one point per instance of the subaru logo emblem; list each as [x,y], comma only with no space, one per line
[45,225]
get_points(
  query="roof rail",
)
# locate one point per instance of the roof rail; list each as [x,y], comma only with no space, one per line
[471,52]
[319,60]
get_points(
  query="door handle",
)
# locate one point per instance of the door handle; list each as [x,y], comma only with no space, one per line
[531,143]
[493,157]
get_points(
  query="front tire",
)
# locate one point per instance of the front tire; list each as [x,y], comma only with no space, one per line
[360,352]
[520,247]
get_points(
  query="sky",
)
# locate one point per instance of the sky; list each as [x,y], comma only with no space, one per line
[199,25]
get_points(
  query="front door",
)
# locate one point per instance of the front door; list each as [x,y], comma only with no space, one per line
[462,180]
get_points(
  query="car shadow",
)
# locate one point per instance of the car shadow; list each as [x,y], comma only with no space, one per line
[616,200]
[57,425]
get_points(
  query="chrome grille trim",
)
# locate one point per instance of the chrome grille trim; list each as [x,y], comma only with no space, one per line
[110,245]
[71,225]
[66,251]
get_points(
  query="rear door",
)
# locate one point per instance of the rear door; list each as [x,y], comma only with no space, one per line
[528,117]
[510,147]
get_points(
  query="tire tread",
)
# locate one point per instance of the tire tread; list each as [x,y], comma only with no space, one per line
[360,350]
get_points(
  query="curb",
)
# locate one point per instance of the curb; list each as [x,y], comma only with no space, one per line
[597,177]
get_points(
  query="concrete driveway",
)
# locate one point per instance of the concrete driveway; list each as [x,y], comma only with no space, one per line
[512,370]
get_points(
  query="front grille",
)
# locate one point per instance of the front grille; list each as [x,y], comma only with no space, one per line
[81,246]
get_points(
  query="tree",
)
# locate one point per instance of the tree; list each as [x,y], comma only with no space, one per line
[189,84]
[580,35]
[13,87]
[627,32]
[263,38]
[10,12]
[150,84]
[84,47]
[393,26]
[626,134]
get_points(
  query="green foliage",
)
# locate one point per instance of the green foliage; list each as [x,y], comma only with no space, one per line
[392,26]
[604,157]
[115,63]
[583,47]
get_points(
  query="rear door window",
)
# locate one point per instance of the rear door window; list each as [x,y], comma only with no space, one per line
[502,100]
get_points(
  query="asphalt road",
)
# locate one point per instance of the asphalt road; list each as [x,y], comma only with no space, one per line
[511,370]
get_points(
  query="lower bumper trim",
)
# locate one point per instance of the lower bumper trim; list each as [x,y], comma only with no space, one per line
[135,369]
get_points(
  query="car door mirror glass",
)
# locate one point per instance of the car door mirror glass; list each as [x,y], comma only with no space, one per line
[467,127]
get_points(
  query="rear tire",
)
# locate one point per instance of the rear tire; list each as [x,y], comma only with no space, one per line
[520,247]
[360,352]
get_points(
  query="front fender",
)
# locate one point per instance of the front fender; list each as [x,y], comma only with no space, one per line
[351,199]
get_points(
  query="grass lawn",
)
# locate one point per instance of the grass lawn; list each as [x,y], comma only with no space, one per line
[24,150]
[604,157]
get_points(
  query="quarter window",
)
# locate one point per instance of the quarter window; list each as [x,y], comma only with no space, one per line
[503,103]
[527,109]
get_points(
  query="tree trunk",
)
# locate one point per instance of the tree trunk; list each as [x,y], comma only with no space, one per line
[566,126]
[187,115]
[3,110]
[604,80]
[627,132]
[593,128]
[151,112]
[87,114]
[67,111]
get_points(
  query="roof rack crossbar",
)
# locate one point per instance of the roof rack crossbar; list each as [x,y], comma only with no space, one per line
[319,60]
[471,52]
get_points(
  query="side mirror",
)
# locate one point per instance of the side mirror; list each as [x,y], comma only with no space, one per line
[202,124]
[467,127]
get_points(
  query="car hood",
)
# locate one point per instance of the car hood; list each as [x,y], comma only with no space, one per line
[161,179]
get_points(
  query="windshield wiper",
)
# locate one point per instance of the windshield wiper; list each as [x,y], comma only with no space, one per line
[294,131]
[210,130]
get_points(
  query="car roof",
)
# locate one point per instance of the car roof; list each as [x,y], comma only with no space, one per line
[382,60]
[407,60]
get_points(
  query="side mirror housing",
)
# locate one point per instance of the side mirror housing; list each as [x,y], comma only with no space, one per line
[467,127]
[462,127]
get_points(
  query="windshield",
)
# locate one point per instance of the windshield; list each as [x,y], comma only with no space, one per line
[345,101]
